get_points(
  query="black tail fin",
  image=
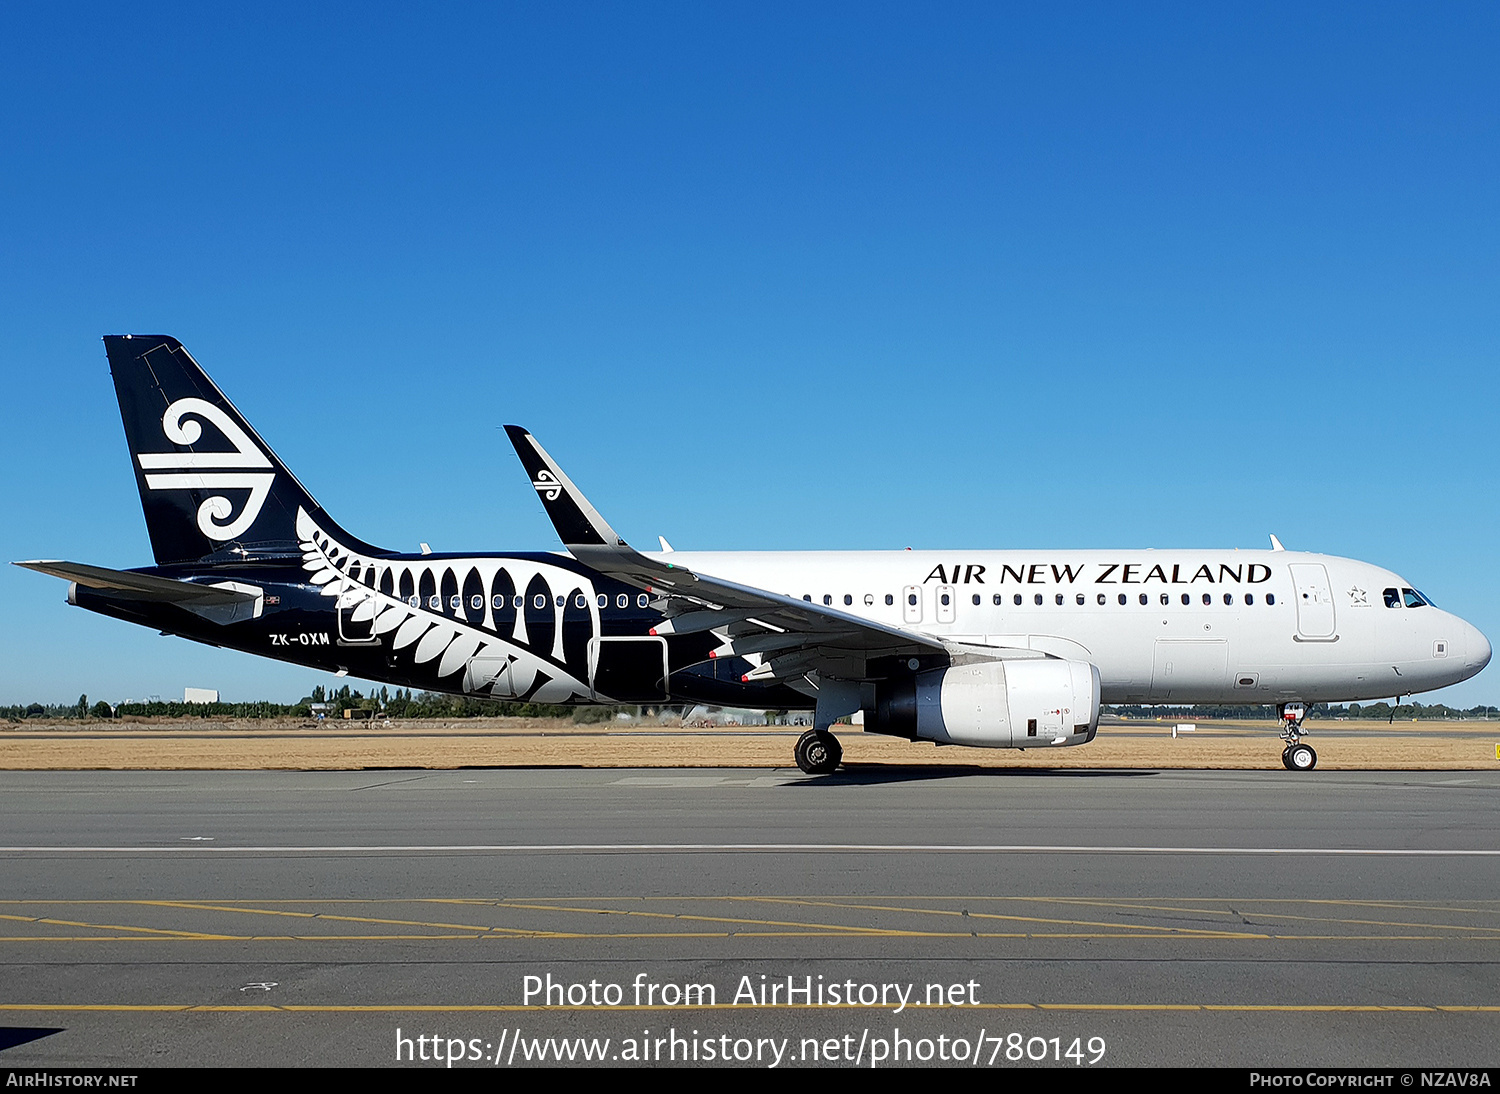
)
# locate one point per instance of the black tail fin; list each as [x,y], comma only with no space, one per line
[209,485]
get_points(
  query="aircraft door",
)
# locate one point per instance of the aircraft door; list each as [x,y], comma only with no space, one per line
[356,617]
[628,670]
[1189,669]
[1315,617]
[491,673]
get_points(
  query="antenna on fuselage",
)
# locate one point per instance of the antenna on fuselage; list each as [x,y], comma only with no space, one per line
[1276,543]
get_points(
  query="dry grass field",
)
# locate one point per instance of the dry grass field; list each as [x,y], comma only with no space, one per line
[294,744]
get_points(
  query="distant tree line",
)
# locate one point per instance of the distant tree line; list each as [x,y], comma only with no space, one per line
[427,704]
[400,704]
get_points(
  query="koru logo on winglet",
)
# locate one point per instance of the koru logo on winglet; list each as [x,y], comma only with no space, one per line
[210,470]
[547,485]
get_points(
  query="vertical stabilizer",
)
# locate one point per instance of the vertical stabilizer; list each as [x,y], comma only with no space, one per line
[210,487]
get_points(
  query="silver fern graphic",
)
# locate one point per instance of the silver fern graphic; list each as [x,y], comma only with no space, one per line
[491,663]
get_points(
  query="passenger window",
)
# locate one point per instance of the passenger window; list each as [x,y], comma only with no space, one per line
[455,602]
[518,602]
[998,600]
[827,600]
[1102,600]
[580,601]
[642,600]
[1228,598]
[1270,598]
[947,600]
[1038,599]
[848,600]
[602,600]
[1208,598]
[562,601]
[1145,599]
[435,603]
[1017,599]
[911,599]
[870,599]
[807,597]
[414,601]
[622,601]
[978,600]
[889,600]
[1080,600]
[1124,599]
[539,601]
[1392,598]
[1165,599]
[1186,600]
[1059,598]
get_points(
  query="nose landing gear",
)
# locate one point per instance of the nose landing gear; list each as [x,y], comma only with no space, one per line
[1299,757]
[1296,756]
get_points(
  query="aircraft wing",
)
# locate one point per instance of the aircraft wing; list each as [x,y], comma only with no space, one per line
[784,637]
[143,586]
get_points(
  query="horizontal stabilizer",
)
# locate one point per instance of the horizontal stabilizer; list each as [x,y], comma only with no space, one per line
[143,586]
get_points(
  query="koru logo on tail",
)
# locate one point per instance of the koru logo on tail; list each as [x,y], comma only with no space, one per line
[237,470]
[547,485]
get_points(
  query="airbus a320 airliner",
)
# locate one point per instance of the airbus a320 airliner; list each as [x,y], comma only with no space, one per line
[993,649]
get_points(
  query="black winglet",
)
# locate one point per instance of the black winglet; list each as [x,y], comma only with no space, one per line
[577,522]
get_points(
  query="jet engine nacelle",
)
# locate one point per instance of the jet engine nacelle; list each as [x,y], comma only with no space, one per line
[994,704]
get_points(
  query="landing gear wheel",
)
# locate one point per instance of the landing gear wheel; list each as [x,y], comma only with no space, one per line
[1299,757]
[819,752]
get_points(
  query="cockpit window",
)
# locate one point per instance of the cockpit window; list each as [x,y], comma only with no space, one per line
[1392,598]
[1413,598]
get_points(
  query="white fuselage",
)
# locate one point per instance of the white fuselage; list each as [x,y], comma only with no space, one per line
[1162,626]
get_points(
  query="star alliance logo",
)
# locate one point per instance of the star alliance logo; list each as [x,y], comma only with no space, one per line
[1357,596]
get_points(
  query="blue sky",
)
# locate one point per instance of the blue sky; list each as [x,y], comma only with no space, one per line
[795,276]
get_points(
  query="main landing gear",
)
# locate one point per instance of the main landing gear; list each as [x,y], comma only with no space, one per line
[1297,756]
[819,752]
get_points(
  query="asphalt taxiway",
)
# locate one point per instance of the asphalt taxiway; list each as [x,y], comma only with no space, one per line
[1171,917]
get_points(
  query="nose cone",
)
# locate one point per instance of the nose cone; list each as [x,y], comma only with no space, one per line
[1477,647]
